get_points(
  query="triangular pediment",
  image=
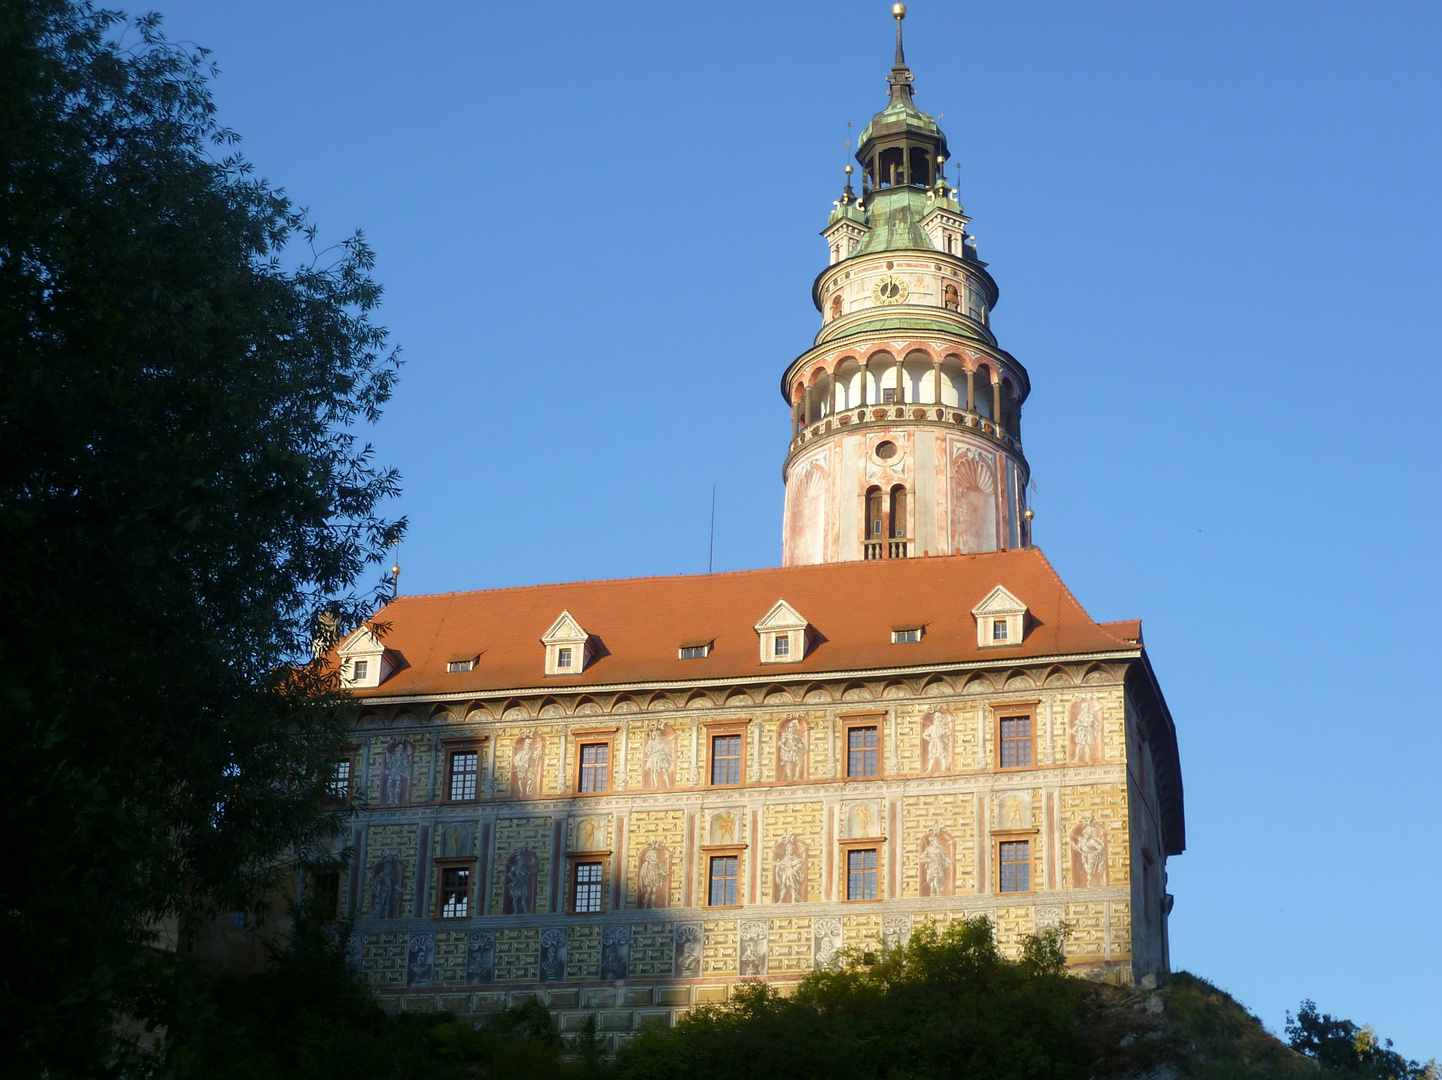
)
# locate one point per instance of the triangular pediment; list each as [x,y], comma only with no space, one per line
[782,616]
[999,602]
[362,641]
[564,631]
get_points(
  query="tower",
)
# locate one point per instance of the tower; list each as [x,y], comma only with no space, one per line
[906,415]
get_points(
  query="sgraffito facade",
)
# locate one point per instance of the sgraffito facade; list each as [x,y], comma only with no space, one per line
[624,797]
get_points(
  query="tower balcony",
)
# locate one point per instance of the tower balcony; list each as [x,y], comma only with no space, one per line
[910,413]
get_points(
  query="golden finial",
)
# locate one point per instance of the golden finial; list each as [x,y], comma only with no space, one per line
[898,11]
[1029,515]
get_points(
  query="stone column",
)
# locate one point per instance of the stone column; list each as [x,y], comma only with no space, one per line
[806,407]
[971,391]
[900,390]
[936,380]
[863,383]
[996,404]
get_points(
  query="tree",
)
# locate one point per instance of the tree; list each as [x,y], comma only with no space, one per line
[1355,1051]
[182,489]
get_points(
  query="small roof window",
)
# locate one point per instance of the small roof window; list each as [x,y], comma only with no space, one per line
[906,635]
[697,649]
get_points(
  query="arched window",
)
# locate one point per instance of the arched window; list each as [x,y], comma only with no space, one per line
[875,523]
[982,386]
[898,512]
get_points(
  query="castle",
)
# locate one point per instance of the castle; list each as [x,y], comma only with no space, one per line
[623,797]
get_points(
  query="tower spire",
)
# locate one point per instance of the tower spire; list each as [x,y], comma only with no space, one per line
[900,80]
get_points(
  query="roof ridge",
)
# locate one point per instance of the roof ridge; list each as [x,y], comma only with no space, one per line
[673,577]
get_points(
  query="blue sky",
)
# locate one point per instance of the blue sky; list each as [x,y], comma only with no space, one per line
[1215,228]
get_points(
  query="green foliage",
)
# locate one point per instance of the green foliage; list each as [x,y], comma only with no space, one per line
[181,490]
[948,1004]
[1351,1050]
[311,1016]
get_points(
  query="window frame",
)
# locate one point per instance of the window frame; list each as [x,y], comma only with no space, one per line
[593,737]
[1015,710]
[1016,836]
[318,884]
[851,721]
[698,650]
[574,883]
[468,866]
[721,729]
[350,759]
[360,669]
[467,745]
[862,843]
[899,635]
[725,851]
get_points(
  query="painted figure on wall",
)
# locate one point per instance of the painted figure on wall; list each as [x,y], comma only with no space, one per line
[397,767]
[615,952]
[938,732]
[658,758]
[788,870]
[589,833]
[653,876]
[1014,811]
[457,840]
[1086,730]
[523,871]
[862,819]
[690,937]
[825,943]
[1089,855]
[973,501]
[937,861]
[754,947]
[791,750]
[480,956]
[555,944]
[723,828]
[527,756]
[387,881]
[420,959]
[806,524]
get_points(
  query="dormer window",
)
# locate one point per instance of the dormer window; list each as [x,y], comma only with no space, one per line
[906,635]
[460,663]
[364,661]
[785,634]
[695,650]
[361,670]
[568,647]
[1000,620]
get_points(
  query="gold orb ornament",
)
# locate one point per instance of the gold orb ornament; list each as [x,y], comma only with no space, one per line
[898,11]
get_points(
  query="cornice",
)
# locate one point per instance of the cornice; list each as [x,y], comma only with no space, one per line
[765,679]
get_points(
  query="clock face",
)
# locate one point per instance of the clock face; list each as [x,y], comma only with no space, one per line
[889,289]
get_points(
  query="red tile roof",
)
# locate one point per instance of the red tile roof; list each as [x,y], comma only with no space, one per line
[637,625]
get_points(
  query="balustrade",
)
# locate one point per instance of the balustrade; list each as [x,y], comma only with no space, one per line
[925,413]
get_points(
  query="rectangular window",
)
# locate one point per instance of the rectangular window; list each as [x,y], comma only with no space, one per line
[460,665]
[726,759]
[782,646]
[326,890]
[888,397]
[563,658]
[863,752]
[595,766]
[902,637]
[861,874]
[455,894]
[694,652]
[1015,862]
[361,668]
[237,918]
[725,873]
[465,771]
[998,629]
[1016,742]
[588,887]
[337,789]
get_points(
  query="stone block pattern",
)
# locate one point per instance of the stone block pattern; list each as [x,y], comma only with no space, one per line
[723,945]
[383,958]
[652,949]
[402,841]
[512,835]
[450,956]
[908,738]
[1119,929]
[1108,804]
[1012,924]
[656,826]
[861,931]
[803,819]
[956,813]
[789,946]
[1088,940]
[517,952]
[583,961]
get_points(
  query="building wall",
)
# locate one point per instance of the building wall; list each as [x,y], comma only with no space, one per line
[1086,807]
